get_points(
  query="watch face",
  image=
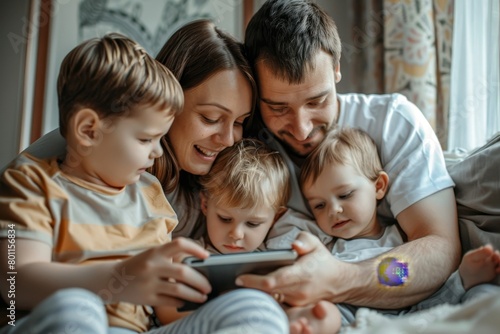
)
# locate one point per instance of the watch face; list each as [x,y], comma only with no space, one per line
[392,272]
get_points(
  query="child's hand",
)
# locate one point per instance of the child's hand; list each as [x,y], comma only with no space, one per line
[154,278]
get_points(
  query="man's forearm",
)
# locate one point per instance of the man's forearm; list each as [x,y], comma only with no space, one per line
[430,261]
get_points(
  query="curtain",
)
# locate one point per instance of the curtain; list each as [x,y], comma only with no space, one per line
[417,56]
[404,46]
[475,89]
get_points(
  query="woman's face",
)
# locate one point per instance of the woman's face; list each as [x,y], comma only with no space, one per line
[212,119]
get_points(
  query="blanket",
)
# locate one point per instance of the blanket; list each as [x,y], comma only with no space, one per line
[477,315]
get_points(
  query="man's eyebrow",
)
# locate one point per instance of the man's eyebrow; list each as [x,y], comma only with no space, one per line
[267,101]
[317,96]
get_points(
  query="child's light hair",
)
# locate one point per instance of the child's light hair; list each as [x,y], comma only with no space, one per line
[114,76]
[344,146]
[248,175]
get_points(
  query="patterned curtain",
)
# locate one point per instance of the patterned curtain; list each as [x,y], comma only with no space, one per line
[404,46]
[417,56]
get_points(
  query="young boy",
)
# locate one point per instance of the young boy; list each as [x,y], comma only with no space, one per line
[342,181]
[98,202]
[94,227]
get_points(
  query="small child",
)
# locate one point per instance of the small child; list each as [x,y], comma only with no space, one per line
[342,181]
[242,196]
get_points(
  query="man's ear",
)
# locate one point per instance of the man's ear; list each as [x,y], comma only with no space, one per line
[86,124]
[203,200]
[381,185]
[338,74]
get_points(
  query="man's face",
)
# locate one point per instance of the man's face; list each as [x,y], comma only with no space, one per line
[300,114]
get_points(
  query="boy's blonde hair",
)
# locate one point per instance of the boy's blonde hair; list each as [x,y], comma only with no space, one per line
[248,175]
[114,76]
[345,146]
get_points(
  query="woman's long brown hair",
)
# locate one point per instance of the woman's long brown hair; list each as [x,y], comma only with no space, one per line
[193,53]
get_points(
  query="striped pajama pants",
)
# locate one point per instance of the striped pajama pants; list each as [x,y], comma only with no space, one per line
[77,311]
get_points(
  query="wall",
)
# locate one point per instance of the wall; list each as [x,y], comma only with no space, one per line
[149,23]
[13,28]
[14,133]
[340,11]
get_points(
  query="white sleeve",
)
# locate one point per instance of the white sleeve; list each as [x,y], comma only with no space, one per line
[408,147]
[411,155]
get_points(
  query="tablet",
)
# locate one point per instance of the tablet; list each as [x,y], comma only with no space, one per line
[222,269]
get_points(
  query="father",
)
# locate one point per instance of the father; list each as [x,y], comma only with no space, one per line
[295,50]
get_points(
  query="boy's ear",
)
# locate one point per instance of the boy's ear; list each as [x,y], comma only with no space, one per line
[86,124]
[203,200]
[381,185]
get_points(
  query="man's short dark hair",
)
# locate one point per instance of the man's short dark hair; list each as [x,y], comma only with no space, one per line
[287,34]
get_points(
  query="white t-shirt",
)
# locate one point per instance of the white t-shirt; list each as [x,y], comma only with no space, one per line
[357,250]
[408,148]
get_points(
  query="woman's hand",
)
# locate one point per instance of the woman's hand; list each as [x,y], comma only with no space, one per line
[309,280]
[156,276]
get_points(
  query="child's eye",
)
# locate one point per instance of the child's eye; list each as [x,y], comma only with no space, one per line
[224,219]
[145,140]
[319,206]
[253,225]
[346,195]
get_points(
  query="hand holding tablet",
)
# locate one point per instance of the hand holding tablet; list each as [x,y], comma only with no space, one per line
[222,269]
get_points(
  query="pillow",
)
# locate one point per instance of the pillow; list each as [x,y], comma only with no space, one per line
[477,190]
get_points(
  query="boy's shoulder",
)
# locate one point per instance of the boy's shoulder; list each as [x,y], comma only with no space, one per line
[31,166]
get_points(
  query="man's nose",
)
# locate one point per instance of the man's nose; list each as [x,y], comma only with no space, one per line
[301,125]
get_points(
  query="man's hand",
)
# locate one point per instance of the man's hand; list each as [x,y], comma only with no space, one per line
[298,284]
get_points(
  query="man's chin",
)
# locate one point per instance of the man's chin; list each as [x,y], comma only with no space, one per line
[299,152]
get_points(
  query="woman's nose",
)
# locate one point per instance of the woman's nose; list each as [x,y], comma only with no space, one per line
[225,137]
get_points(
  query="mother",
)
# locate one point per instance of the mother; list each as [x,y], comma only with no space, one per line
[220,94]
